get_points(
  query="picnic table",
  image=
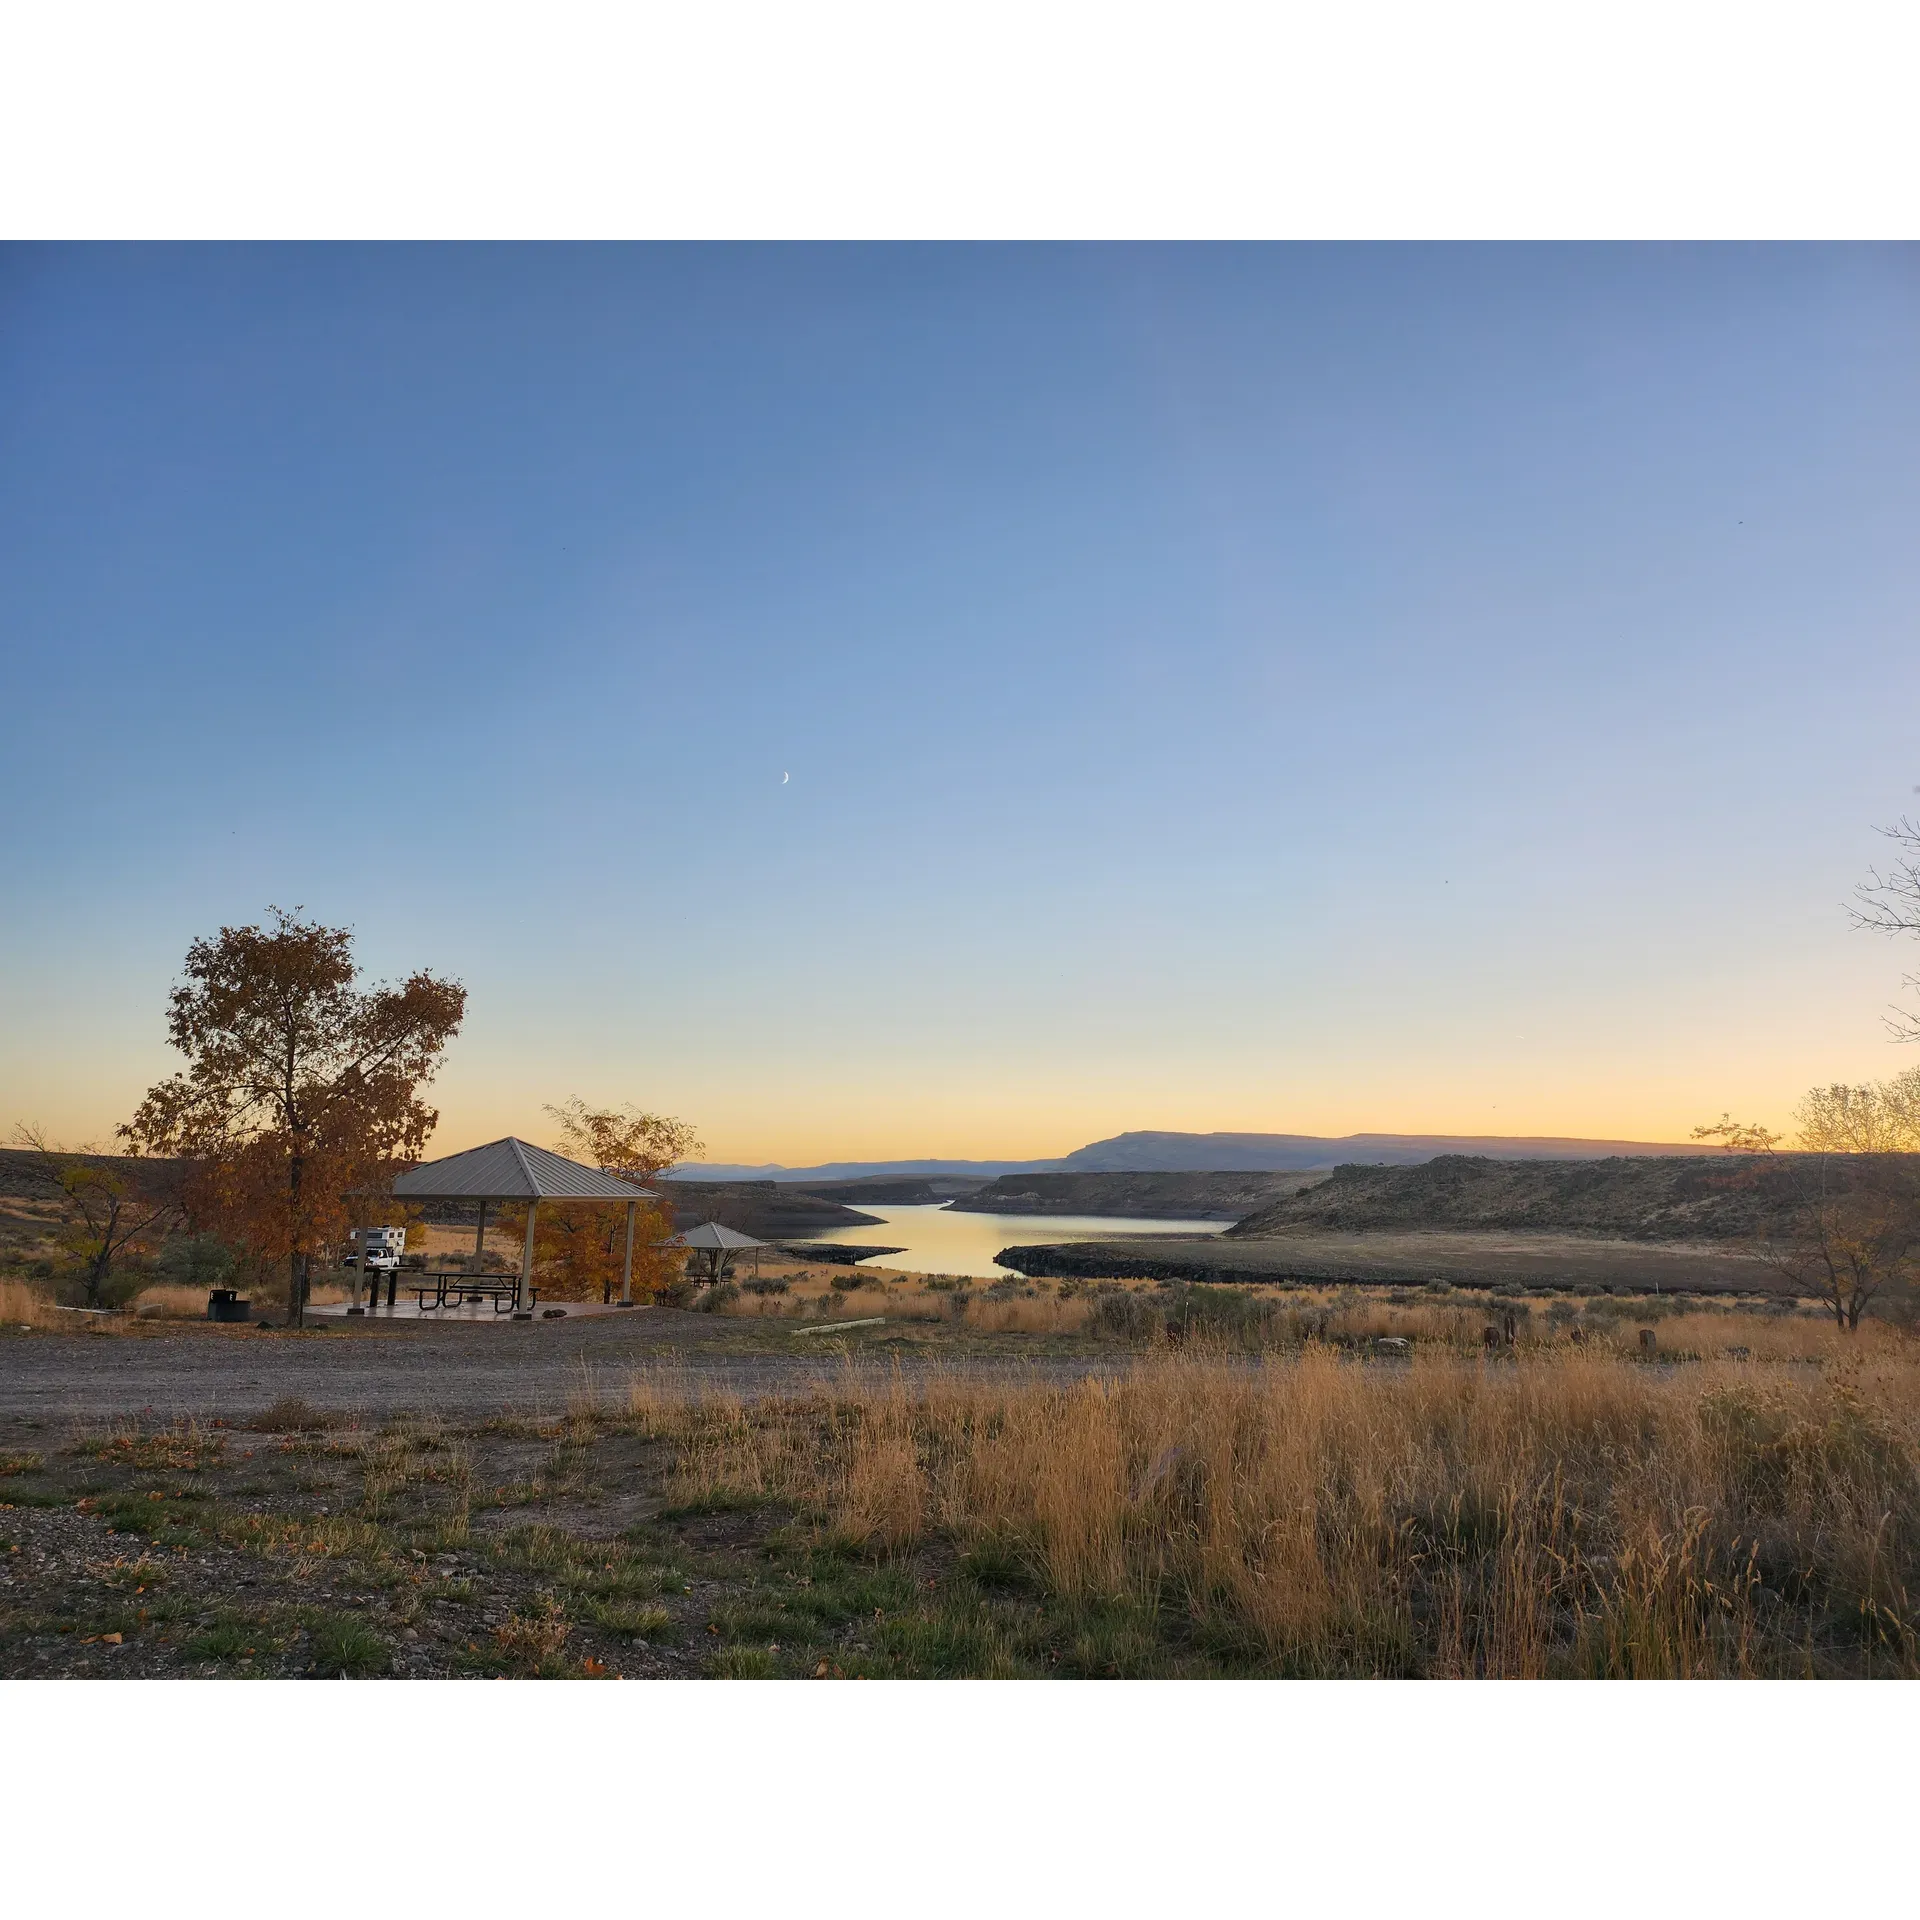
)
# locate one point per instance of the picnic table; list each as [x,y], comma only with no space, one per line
[456,1288]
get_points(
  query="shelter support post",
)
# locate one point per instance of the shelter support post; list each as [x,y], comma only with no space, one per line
[480,1234]
[626,1277]
[523,1294]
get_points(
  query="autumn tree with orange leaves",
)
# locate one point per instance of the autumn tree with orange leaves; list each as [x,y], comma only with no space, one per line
[579,1249]
[301,1086]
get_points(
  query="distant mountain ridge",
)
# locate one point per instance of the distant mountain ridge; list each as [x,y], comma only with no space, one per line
[1307,1152]
[1162,1152]
[861,1170]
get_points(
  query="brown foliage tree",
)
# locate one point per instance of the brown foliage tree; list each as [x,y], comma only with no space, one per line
[1852,1227]
[623,1141]
[579,1249]
[300,1085]
[104,1211]
[1890,903]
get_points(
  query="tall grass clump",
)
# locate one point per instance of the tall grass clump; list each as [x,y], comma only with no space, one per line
[1574,1513]
[25,1305]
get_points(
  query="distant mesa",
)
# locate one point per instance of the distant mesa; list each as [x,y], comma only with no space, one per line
[1307,1152]
[1155,1152]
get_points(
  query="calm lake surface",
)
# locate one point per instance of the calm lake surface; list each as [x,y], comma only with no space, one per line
[937,1241]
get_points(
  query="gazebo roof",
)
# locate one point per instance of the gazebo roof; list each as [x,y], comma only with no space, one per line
[713,1234]
[512,1170]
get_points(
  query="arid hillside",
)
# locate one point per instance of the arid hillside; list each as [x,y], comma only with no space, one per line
[1705,1198]
[1146,1196]
[24,1177]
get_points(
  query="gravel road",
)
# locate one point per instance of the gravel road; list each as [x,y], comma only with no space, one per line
[385,1369]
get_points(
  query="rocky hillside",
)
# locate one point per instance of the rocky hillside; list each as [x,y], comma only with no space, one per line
[1695,1198]
[888,1190]
[23,1177]
[1145,1196]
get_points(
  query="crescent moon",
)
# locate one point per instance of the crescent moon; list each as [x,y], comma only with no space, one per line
[784,778]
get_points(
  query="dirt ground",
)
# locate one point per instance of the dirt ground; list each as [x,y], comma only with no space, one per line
[496,1548]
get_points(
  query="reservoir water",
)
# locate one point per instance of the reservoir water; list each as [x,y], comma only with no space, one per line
[939,1241]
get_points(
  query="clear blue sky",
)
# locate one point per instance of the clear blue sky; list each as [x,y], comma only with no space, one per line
[1294,688]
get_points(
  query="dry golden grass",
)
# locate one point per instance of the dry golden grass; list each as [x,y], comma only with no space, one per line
[171,1303]
[22,1305]
[1047,1314]
[1569,1513]
[1705,1333]
[1458,1320]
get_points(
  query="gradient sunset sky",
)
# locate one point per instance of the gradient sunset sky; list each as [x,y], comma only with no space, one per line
[1292,688]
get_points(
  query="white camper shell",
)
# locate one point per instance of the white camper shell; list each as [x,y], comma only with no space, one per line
[379,1247]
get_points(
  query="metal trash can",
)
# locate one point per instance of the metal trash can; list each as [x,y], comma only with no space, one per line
[224,1303]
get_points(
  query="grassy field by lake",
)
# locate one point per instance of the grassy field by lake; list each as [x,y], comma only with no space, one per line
[1556,1512]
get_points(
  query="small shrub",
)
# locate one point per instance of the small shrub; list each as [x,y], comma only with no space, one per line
[291,1414]
[716,1297]
[1226,1313]
[536,1634]
[844,1282]
[140,1575]
[773,1284]
[1120,1315]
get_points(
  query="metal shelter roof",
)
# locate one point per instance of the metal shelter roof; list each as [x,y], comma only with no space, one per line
[512,1170]
[713,1234]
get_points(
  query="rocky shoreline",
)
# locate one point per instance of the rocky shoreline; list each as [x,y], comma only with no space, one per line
[833,1253]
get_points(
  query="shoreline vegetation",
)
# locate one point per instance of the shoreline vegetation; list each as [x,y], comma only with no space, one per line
[1381,1257]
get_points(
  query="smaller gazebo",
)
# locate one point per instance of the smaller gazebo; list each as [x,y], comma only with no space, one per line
[518,1172]
[715,1246]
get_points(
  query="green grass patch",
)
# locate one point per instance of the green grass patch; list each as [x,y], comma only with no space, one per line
[228,1639]
[623,1617]
[966,1641]
[998,1565]
[722,1500]
[341,1644]
[632,1581]
[742,1663]
[751,1623]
